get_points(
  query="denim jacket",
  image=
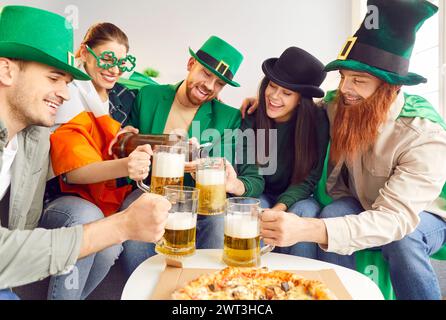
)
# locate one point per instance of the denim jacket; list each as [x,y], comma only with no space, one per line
[28,254]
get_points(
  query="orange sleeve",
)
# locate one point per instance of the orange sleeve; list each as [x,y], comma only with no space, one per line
[82,141]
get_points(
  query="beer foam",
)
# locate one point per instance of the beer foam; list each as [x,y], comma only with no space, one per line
[168,165]
[211,177]
[241,226]
[181,221]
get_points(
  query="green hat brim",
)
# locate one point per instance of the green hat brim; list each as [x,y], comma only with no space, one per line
[230,82]
[411,79]
[20,51]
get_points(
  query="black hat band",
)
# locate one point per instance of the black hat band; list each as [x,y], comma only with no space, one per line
[219,66]
[379,58]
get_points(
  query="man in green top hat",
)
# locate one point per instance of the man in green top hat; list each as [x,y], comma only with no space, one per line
[385,168]
[191,107]
[36,65]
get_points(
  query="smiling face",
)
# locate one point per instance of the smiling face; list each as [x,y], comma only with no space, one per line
[103,79]
[201,84]
[355,86]
[280,102]
[35,93]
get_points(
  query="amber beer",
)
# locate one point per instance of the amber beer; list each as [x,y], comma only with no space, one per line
[167,168]
[241,241]
[179,236]
[242,233]
[211,181]
[180,231]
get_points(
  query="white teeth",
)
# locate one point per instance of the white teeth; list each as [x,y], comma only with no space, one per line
[274,105]
[51,104]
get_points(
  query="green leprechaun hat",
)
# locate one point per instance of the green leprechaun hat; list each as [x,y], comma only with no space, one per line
[385,52]
[220,58]
[32,34]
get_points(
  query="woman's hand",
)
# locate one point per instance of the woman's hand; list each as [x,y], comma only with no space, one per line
[249,105]
[122,131]
[233,184]
[139,162]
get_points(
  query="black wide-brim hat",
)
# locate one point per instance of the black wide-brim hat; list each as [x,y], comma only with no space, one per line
[296,70]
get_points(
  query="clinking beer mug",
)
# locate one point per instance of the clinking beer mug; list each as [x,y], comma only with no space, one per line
[180,231]
[242,233]
[211,181]
[167,168]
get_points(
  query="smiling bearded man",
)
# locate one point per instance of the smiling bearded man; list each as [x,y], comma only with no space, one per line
[386,174]
[355,126]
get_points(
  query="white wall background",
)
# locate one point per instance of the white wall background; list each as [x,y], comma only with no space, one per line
[160,31]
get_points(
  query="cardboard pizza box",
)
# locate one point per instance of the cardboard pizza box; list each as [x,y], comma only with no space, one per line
[175,277]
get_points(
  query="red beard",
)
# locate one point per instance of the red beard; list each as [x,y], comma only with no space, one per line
[355,127]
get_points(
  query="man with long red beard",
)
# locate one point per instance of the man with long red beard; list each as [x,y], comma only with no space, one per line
[386,172]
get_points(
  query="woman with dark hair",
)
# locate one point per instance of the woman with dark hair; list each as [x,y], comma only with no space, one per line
[296,135]
[87,175]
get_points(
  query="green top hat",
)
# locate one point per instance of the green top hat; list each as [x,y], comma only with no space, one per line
[220,58]
[37,35]
[385,52]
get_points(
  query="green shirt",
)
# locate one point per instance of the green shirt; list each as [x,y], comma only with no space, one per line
[279,184]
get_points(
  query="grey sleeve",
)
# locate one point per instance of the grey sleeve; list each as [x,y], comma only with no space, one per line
[32,255]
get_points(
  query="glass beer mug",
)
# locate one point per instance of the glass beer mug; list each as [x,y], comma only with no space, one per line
[167,168]
[210,179]
[242,233]
[180,231]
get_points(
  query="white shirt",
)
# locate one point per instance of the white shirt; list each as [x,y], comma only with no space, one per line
[7,159]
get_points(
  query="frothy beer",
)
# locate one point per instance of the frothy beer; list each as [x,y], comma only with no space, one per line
[179,236]
[241,241]
[211,183]
[167,169]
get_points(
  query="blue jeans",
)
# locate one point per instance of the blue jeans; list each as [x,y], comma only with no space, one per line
[88,272]
[411,272]
[210,231]
[7,294]
[308,208]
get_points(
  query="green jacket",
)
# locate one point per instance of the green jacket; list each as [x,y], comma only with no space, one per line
[152,108]
[28,254]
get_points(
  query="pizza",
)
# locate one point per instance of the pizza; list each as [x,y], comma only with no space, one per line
[234,283]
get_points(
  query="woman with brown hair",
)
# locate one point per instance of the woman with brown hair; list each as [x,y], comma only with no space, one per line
[88,175]
[286,108]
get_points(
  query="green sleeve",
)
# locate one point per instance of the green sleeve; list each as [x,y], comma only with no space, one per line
[229,139]
[248,173]
[304,190]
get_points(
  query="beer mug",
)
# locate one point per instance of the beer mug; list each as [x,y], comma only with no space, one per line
[210,179]
[167,168]
[180,231]
[242,233]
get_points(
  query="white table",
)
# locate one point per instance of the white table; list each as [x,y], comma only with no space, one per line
[144,279]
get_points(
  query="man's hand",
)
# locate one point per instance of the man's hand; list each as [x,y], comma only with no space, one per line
[279,228]
[286,229]
[145,219]
[249,105]
[139,162]
[233,184]
[190,166]
[122,131]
